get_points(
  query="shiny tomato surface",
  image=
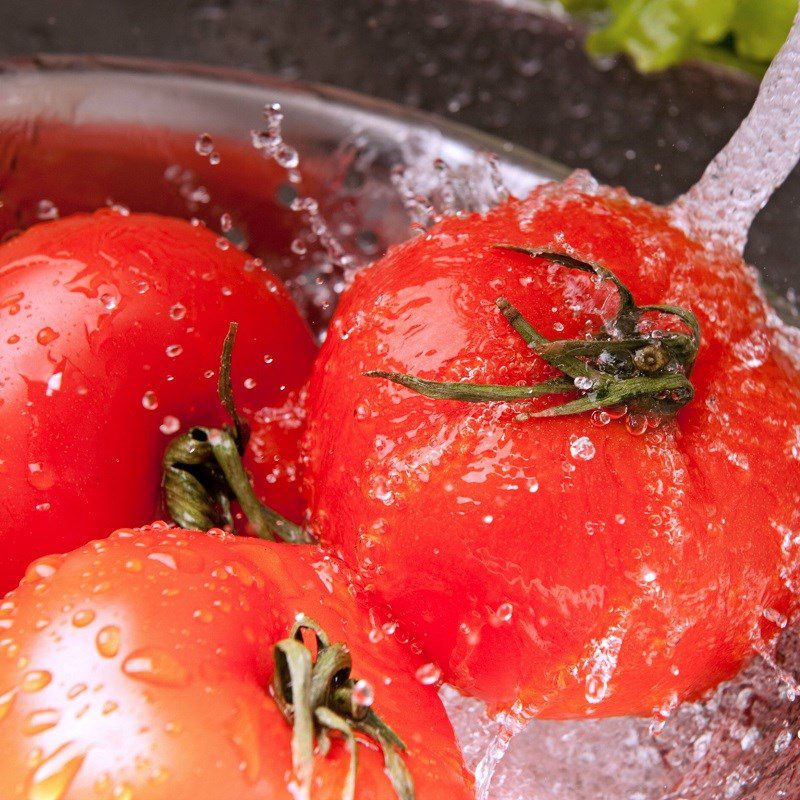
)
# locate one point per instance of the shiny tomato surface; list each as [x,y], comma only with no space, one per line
[111,329]
[575,565]
[140,667]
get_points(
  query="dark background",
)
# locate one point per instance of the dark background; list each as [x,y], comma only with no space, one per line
[497,66]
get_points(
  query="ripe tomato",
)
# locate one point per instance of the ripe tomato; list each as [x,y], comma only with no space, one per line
[140,666]
[110,335]
[571,565]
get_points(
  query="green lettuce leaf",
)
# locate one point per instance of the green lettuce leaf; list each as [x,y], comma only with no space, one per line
[657,34]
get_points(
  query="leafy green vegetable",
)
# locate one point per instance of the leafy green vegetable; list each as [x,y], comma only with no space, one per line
[660,33]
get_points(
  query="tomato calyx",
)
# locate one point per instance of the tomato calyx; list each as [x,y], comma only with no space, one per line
[203,472]
[317,695]
[621,365]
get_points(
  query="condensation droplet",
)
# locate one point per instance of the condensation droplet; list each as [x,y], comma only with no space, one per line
[177,312]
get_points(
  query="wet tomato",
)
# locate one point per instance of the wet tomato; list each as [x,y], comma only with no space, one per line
[111,328]
[141,666]
[599,562]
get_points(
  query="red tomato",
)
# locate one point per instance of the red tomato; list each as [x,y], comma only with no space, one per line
[111,329]
[565,564]
[140,667]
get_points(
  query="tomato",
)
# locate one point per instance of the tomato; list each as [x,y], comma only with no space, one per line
[588,564]
[111,329]
[140,666]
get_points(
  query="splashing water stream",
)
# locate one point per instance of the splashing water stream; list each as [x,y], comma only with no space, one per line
[737,184]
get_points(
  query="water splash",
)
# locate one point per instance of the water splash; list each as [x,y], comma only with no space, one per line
[509,727]
[737,184]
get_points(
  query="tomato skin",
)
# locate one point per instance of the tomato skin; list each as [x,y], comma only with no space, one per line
[111,329]
[171,634]
[570,568]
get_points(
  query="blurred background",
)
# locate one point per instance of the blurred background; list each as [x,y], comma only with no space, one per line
[518,69]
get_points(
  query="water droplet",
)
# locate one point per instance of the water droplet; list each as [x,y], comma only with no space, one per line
[109,707]
[782,741]
[46,210]
[204,145]
[170,425]
[109,301]
[504,612]
[155,666]
[775,617]
[54,384]
[363,693]
[43,568]
[428,674]
[582,447]
[636,424]
[76,691]
[150,400]
[40,476]
[287,157]
[249,383]
[226,222]
[108,641]
[6,701]
[600,418]
[595,688]
[81,619]
[298,247]
[222,243]
[52,778]
[46,335]
[36,680]
[40,721]
[174,350]
[648,575]
[177,312]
